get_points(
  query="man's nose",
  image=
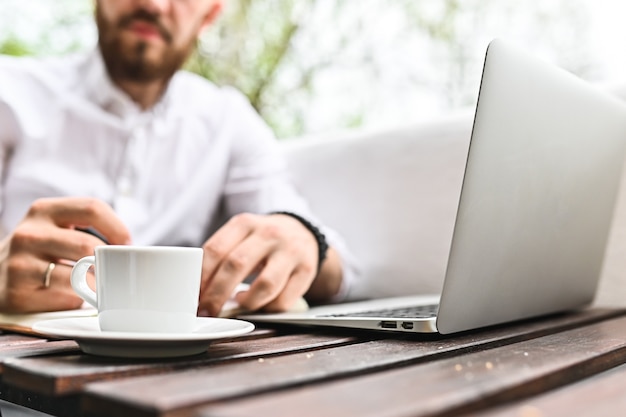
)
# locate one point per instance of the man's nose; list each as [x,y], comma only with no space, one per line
[155,6]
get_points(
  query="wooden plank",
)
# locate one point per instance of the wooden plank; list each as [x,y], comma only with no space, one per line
[31,350]
[63,375]
[600,395]
[175,393]
[16,345]
[452,386]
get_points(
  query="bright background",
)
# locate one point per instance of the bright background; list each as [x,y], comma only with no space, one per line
[314,66]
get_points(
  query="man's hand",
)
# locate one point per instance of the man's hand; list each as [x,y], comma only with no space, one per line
[47,234]
[278,249]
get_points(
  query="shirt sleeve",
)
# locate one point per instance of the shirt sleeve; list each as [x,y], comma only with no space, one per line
[258,180]
[9,131]
[9,97]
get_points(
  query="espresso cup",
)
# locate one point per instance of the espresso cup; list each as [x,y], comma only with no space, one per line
[142,288]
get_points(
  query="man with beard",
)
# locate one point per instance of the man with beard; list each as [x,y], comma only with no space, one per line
[121,142]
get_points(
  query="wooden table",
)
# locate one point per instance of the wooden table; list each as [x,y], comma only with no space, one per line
[562,365]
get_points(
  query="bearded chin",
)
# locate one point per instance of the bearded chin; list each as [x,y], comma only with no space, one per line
[134,62]
[139,68]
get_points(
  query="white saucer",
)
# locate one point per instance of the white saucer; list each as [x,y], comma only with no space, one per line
[86,331]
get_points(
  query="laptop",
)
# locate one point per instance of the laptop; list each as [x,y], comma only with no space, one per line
[540,186]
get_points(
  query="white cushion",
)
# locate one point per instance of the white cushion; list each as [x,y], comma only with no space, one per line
[392,195]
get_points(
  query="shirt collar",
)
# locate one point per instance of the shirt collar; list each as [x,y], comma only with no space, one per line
[105,94]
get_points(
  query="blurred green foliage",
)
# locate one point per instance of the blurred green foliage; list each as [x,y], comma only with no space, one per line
[317,65]
[247,49]
[13,46]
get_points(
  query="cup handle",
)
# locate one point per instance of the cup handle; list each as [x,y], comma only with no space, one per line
[79,280]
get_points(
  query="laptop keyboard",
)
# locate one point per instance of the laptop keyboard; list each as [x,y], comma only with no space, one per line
[413,312]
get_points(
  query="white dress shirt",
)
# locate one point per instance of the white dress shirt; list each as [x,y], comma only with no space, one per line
[172,173]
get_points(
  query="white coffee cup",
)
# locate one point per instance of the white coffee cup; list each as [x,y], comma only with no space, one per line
[142,288]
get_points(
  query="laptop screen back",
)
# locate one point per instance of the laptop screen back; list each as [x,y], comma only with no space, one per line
[538,195]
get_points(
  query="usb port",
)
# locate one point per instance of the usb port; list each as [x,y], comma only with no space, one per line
[388,324]
[407,325]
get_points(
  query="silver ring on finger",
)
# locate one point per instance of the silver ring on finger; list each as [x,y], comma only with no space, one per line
[48,275]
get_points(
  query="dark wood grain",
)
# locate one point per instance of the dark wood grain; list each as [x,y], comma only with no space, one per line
[451,386]
[177,393]
[33,349]
[62,375]
[601,395]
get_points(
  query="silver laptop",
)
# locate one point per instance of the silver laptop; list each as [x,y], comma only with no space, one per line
[536,206]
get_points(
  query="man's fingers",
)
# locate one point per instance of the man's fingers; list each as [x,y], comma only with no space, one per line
[68,212]
[38,274]
[269,283]
[35,273]
[27,291]
[236,266]
[59,291]
[222,243]
[48,229]
[274,246]
[53,243]
[222,252]
[60,276]
[34,258]
[296,287]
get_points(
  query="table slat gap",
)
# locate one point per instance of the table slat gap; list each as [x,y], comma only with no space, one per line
[451,386]
[177,390]
[63,375]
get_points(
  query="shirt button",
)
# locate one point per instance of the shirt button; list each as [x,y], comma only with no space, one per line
[124,187]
